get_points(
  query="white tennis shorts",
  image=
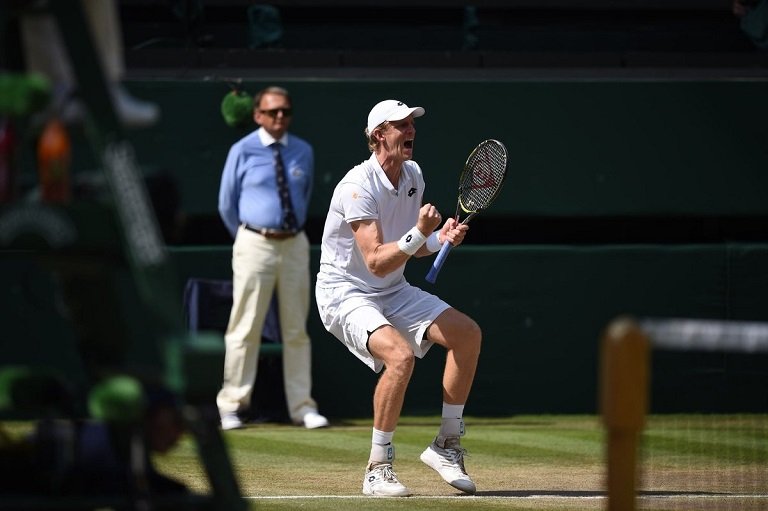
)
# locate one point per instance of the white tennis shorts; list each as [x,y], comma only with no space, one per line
[351,315]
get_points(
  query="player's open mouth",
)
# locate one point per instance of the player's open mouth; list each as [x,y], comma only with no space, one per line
[408,144]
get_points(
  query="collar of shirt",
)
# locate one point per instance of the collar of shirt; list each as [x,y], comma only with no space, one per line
[268,139]
[383,175]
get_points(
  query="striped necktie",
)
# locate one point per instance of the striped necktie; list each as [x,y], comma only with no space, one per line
[289,217]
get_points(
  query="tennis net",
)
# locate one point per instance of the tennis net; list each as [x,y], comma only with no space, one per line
[700,431]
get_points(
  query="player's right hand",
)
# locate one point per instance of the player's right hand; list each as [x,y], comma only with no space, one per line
[429,219]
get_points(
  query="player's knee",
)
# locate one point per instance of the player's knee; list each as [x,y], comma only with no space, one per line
[404,356]
[473,336]
[401,360]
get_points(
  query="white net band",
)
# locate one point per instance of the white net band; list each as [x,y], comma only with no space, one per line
[709,335]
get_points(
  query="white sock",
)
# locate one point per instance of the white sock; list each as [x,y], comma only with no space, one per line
[382,437]
[452,424]
[452,411]
[382,450]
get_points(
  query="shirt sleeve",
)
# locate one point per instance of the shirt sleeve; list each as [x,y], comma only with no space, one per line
[357,203]
[229,192]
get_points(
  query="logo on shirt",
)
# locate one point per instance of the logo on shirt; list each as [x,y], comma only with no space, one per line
[411,192]
[355,195]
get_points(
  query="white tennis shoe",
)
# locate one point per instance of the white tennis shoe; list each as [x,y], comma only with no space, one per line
[382,481]
[314,420]
[230,420]
[448,461]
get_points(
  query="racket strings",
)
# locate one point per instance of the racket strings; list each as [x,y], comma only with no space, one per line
[483,177]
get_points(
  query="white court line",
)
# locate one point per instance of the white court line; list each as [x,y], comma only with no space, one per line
[517,497]
[429,497]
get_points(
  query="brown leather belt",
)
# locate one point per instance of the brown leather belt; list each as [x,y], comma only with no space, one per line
[272,234]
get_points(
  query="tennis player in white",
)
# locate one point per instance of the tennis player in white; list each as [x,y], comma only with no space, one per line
[376,222]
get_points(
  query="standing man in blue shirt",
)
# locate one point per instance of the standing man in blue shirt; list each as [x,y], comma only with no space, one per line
[263,199]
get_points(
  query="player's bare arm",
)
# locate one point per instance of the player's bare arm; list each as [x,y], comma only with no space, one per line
[380,258]
[383,258]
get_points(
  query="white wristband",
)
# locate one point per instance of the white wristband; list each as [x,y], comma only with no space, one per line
[433,242]
[411,241]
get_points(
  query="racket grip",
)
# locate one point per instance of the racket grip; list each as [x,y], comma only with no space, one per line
[438,262]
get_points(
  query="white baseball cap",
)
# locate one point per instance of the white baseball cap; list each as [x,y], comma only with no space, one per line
[391,110]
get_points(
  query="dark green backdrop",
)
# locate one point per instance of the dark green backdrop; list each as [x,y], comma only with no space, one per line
[579,148]
[542,310]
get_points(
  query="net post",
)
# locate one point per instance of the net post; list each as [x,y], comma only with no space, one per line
[624,370]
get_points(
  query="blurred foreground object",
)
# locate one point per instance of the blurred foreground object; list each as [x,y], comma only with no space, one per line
[8,168]
[45,53]
[54,157]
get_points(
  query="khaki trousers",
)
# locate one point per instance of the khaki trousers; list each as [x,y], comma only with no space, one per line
[260,266]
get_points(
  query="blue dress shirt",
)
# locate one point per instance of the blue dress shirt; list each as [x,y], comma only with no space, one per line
[248,192]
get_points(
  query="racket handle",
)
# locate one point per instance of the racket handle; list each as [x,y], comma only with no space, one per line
[438,263]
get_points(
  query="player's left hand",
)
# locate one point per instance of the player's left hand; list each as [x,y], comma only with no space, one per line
[453,232]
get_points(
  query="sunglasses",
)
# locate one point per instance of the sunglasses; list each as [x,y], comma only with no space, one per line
[273,113]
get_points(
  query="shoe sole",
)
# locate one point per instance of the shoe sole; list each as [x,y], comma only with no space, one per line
[372,494]
[317,425]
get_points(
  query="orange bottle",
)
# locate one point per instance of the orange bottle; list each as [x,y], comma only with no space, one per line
[54,157]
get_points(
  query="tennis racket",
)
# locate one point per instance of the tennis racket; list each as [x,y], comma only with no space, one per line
[479,184]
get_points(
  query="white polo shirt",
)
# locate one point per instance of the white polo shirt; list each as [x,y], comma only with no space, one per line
[366,193]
